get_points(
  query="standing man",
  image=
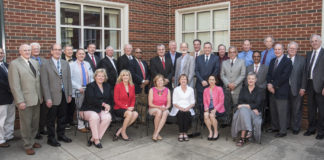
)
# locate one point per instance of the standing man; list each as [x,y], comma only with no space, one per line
[141,79]
[68,54]
[268,54]
[246,54]
[197,48]
[295,99]
[91,57]
[173,54]
[206,65]
[123,62]
[57,90]
[278,86]
[7,107]
[233,74]
[110,65]
[313,83]
[185,65]
[160,64]
[222,56]
[24,81]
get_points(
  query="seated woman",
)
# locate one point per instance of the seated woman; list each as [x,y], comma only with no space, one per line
[124,98]
[159,100]
[247,117]
[96,107]
[213,106]
[183,102]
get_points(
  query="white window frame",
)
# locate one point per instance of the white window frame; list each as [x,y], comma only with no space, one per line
[195,10]
[124,24]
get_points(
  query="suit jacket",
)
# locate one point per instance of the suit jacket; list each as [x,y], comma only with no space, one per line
[318,72]
[296,76]
[261,75]
[25,87]
[193,54]
[121,99]
[76,75]
[157,68]
[233,74]
[280,77]
[52,83]
[123,63]
[6,96]
[88,59]
[112,73]
[203,70]
[73,58]
[188,69]
[177,55]
[137,75]
[94,97]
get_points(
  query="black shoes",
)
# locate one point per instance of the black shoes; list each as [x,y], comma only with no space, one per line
[215,138]
[308,133]
[98,145]
[89,142]
[270,130]
[295,132]
[53,142]
[64,139]
[278,135]
[319,137]
[115,137]
[38,136]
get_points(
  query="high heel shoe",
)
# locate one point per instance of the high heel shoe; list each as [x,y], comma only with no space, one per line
[90,142]
[215,138]
[115,137]
[97,145]
[126,139]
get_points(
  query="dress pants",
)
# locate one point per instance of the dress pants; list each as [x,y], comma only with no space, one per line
[57,113]
[184,121]
[141,105]
[70,112]
[7,121]
[294,111]
[29,123]
[42,117]
[99,122]
[315,102]
[278,111]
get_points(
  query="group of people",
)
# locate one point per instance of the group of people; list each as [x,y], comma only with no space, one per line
[48,91]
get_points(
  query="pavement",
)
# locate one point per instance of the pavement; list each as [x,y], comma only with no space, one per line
[291,147]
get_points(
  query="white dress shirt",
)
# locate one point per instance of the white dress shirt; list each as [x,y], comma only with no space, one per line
[182,99]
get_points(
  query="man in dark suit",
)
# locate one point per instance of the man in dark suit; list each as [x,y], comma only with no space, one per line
[295,99]
[278,86]
[160,64]
[206,64]
[123,62]
[173,55]
[313,83]
[7,107]
[110,65]
[57,89]
[68,54]
[91,57]
[261,71]
[141,79]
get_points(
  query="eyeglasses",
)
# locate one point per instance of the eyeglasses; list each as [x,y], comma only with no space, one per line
[138,52]
[256,56]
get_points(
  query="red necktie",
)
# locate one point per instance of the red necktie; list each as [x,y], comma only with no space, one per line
[141,66]
[163,63]
[256,69]
[93,61]
[264,57]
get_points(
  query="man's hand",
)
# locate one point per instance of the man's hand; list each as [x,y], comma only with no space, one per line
[302,92]
[22,106]
[204,83]
[231,86]
[49,103]
[69,99]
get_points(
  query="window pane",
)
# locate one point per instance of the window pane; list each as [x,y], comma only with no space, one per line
[203,19]
[221,19]
[70,36]
[92,16]
[116,55]
[70,14]
[221,37]
[188,22]
[204,37]
[112,38]
[92,36]
[112,18]
[188,37]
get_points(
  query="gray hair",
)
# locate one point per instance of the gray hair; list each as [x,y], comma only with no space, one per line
[211,45]
[318,37]
[246,41]
[184,43]
[160,45]
[269,36]
[109,47]
[251,74]
[35,44]
[128,45]
[220,45]
[66,46]
[279,44]
[172,41]
[24,45]
[232,47]
[292,43]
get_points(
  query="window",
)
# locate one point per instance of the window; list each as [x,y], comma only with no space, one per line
[2,35]
[207,23]
[103,23]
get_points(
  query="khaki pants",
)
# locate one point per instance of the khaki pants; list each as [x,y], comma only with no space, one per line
[141,105]
[29,122]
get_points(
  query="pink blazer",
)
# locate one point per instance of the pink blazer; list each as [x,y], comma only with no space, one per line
[218,99]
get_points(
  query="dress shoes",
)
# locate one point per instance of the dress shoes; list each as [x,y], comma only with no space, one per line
[84,130]
[295,132]
[319,137]
[98,145]
[53,142]
[308,133]
[37,145]
[43,132]
[38,136]
[64,139]
[30,151]
[270,130]
[278,135]
[4,145]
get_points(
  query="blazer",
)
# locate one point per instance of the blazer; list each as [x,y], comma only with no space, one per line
[123,63]
[121,99]
[112,73]
[177,55]
[280,77]
[137,75]
[203,70]
[218,99]
[233,74]
[318,72]
[157,68]
[88,59]
[193,54]
[94,97]
[6,96]
[188,69]
[76,75]
[296,76]
[73,58]
[51,81]
[254,98]
[24,86]
[261,75]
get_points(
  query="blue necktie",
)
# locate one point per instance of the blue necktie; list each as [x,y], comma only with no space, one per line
[60,73]
[84,78]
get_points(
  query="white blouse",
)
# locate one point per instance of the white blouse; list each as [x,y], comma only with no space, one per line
[182,99]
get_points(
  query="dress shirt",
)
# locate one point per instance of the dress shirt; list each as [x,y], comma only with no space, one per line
[291,58]
[173,57]
[269,57]
[182,99]
[112,61]
[247,56]
[316,56]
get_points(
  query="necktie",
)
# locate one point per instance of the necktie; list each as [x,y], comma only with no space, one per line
[4,68]
[275,66]
[93,61]
[311,65]
[130,57]
[59,68]
[206,60]
[84,76]
[232,62]
[163,63]
[256,69]
[196,54]
[264,57]
[32,68]
[142,68]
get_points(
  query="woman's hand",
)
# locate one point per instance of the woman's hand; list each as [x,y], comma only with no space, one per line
[256,111]
[130,109]
[107,107]
[81,90]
